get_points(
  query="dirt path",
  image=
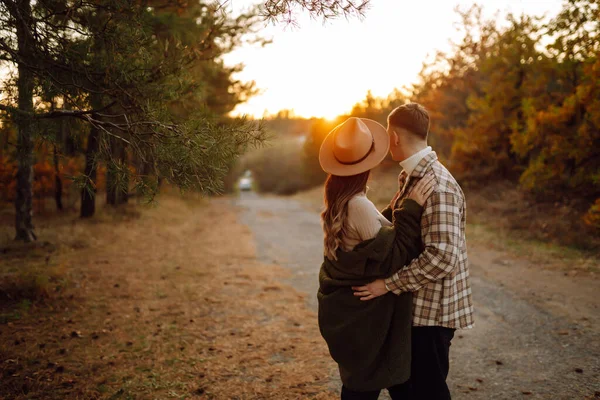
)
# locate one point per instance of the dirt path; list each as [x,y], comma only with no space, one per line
[537,331]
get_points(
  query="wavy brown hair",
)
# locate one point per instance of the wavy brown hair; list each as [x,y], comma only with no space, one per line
[338,192]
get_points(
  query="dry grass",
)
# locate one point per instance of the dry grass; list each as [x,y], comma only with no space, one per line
[168,302]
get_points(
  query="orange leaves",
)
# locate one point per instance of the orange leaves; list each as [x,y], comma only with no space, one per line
[8,173]
[44,178]
[592,218]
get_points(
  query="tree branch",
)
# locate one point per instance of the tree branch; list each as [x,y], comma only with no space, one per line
[54,113]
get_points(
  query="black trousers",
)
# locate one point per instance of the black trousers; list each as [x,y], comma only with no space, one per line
[430,362]
[429,368]
[397,392]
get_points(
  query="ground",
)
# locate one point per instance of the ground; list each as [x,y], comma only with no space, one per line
[216,299]
[168,304]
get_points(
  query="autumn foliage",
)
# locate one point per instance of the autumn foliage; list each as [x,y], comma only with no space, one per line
[517,100]
[521,101]
[44,183]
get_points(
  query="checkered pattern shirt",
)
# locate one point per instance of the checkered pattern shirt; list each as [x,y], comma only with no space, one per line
[439,277]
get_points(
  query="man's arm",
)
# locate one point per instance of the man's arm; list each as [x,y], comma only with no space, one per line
[441,237]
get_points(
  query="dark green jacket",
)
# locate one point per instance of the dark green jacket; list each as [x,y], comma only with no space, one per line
[370,340]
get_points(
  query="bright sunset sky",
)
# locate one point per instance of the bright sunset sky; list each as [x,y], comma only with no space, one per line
[322,69]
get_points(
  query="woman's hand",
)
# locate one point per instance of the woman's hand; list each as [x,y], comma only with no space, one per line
[423,189]
[370,291]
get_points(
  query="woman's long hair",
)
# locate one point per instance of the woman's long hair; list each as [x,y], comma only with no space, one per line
[338,191]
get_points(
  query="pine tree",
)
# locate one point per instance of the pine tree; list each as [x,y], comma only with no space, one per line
[128,71]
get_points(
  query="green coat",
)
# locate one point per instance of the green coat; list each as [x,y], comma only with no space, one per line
[370,340]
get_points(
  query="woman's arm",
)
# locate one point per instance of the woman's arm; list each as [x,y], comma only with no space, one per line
[387,212]
[407,224]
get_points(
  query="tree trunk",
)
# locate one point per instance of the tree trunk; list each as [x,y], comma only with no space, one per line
[117,191]
[25,85]
[88,193]
[58,188]
[111,175]
[123,195]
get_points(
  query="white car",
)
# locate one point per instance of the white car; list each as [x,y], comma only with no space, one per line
[245,184]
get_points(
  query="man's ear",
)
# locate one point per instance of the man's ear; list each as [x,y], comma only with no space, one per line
[395,137]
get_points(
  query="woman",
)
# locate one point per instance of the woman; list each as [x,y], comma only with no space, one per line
[370,340]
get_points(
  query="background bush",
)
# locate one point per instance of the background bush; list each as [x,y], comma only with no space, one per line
[278,168]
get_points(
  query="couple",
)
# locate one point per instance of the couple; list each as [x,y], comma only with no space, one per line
[415,249]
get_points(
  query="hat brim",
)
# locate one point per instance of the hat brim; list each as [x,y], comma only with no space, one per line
[381,148]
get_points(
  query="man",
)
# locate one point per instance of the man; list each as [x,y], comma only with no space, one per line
[439,277]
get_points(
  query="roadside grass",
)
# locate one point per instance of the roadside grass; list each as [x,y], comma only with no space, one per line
[165,301]
[501,217]
[539,252]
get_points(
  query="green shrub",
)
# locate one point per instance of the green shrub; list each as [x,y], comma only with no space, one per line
[278,168]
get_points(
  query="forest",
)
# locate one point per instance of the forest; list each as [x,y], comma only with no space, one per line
[112,97]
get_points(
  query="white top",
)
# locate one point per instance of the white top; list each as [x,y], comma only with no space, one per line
[411,162]
[364,221]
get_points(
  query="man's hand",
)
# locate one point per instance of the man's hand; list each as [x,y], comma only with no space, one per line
[368,292]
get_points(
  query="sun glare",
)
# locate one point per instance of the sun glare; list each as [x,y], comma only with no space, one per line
[322,70]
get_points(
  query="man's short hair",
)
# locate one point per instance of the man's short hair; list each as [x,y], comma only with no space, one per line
[413,117]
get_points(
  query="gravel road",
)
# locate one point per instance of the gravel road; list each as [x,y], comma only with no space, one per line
[537,331]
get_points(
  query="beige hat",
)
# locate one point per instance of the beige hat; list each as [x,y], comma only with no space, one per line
[353,147]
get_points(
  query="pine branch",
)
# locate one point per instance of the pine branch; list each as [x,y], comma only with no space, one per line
[53,113]
[285,10]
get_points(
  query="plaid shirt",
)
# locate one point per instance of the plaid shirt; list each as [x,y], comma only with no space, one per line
[439,277]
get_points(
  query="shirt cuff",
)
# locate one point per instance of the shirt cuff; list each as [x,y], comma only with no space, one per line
[385,282]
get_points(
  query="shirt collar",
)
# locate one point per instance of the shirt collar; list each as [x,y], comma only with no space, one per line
[411,162]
